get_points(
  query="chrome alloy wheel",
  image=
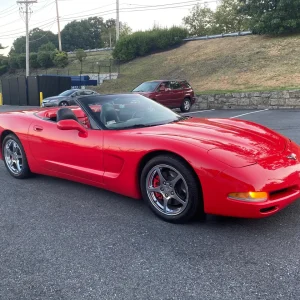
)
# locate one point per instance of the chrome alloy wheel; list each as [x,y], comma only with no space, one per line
[186,105]
[167,190]
[13,156]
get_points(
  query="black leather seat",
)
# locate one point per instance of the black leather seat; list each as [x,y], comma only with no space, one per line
[108,114]
[65,113]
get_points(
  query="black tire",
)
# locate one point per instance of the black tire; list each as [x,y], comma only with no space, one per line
[25,170]
[194,202]
[186,105]
[63,103]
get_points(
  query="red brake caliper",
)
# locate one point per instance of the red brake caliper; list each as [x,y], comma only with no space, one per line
[156,183]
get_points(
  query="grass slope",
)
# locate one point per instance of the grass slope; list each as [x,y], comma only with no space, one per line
[228,64]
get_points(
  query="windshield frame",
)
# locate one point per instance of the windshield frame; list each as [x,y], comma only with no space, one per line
[69,94]
[98,125]
[157,84]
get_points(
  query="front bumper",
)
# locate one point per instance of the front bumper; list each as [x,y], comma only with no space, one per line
[49,104]
[277,175]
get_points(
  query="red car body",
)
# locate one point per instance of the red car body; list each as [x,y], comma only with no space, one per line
[226,155]
[170,93]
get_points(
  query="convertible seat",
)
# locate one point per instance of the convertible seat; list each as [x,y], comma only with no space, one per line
[108,114]
[65,113]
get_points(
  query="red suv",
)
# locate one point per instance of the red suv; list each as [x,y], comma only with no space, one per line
[171,93]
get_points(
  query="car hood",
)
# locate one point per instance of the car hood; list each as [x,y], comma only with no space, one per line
[57,98]
[235,142]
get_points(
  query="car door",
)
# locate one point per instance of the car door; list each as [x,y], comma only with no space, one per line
[74,96]
[65,151]
[164,97]
[177,94]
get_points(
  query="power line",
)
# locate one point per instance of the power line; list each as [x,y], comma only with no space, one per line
[139,9]
[21,32]
[44,34]
[46,5]
[9,8]
[8,13]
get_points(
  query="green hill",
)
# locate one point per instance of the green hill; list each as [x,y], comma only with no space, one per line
[228,64]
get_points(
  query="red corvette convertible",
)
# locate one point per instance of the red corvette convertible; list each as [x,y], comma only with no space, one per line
[181,166]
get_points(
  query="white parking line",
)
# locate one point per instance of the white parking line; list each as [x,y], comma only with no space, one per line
[198,111]
[253,112]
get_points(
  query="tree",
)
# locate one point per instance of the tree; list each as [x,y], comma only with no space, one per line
[33,60]
[13,61]
[22,61]
[81,56]
[200,21]
[124,29]
[84,34]
[228,17]
[109,32]
[272,16]
[44,59]
[61,59]
[37,38]
[47,47]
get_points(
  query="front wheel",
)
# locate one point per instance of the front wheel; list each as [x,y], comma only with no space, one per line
[186,105]
[170,189]
[15,158]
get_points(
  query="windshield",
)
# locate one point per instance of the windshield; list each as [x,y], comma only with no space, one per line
[127,111]
[146,87]
[67,93]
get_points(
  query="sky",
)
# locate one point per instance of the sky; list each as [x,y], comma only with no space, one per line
[164,13]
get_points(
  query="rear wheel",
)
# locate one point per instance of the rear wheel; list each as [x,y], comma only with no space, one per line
[63,103]
[186,105]
[14,157]
[170,189]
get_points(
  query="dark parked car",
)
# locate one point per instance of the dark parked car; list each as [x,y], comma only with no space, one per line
[171,93]
[66,98]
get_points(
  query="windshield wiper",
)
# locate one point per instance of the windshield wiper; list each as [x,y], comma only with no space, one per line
[141,126]
[182,118]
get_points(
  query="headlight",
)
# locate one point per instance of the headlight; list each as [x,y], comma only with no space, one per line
[249,196]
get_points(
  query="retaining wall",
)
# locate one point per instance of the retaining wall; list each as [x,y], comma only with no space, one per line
[252,100]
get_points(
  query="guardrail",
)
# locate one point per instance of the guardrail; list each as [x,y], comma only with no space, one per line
[217,36]
[94,50]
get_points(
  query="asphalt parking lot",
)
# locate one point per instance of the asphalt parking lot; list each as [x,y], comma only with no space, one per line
[63,240]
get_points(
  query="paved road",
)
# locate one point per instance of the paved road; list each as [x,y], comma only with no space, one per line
[63,240]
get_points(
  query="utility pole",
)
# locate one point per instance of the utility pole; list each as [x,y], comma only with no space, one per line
[27,3]
[58,26]
[118,22]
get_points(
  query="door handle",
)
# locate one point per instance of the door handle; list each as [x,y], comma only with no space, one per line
[37,128]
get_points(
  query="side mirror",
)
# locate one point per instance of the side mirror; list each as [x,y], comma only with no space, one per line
[72,125]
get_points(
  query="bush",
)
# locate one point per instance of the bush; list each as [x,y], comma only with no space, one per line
[47,47]
[21,61]
[3,69]
[33,60]
[13,62]
[142,43]
[44,59]
[61,59]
